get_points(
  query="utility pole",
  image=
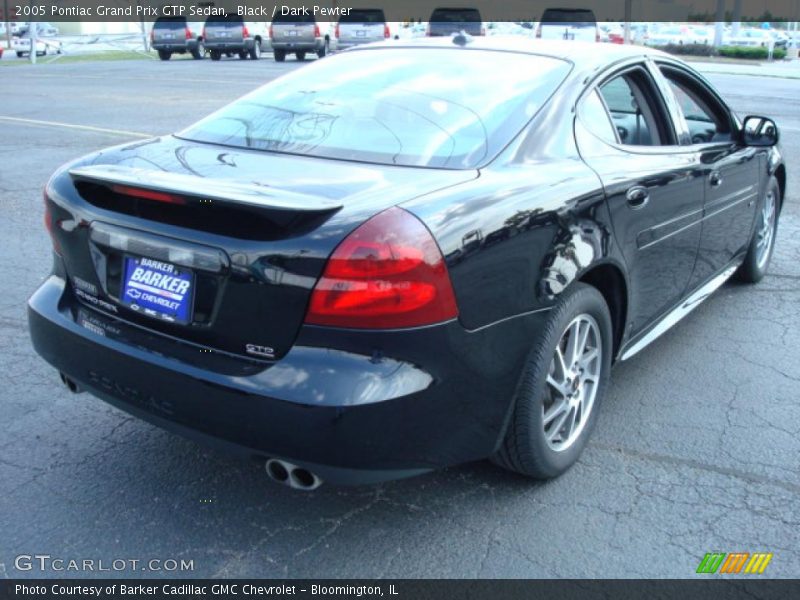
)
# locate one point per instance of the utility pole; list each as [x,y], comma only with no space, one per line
[8,24]
[32,33]
[720,23]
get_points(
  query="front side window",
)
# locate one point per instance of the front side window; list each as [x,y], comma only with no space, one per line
[707,119]
[412,107]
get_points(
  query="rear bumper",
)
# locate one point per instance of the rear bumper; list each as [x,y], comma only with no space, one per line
[316,45]
[352,414]
[230,45]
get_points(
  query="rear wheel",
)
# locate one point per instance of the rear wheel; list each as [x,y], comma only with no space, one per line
[164,54]
[255,53]
[759,253]
[20,54]
[300,55]
[562,386]
[243,54]
[280,55]
[215,54]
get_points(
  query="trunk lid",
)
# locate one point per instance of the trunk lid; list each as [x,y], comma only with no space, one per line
[211,245]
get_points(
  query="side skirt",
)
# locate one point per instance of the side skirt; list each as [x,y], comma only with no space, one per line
[679,312]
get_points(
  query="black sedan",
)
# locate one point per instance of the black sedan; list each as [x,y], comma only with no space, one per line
[411,255]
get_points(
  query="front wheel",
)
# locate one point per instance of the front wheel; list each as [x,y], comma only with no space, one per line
[321,52]
[255,53]
[759,253]
[561,388]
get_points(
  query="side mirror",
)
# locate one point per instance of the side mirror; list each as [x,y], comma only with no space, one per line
[759,131]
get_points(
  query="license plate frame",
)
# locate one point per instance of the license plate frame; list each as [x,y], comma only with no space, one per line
[146,299]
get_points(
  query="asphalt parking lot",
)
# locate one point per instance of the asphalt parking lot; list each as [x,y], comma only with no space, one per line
[696,449]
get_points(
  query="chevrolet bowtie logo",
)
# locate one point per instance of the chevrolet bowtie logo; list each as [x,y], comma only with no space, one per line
[753,564]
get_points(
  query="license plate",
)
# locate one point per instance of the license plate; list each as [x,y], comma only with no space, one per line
[292,33]
[157,289]
[361,33]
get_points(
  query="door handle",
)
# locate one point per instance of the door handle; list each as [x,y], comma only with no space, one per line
[715,179]
[637,196]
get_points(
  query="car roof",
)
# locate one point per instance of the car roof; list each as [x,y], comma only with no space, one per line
[584,54]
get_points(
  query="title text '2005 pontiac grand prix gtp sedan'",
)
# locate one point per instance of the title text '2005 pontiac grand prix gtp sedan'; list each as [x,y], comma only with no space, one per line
[407,256]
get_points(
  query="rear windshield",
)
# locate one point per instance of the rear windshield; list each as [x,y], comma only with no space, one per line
[279,18]
[456,15]
[170,23]
[363,16]
[577,18]
[229,20]
[411,107]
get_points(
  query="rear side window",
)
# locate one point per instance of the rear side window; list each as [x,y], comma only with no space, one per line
[410,107]
[596,118]
[636,111]
[576,18]
[363,16]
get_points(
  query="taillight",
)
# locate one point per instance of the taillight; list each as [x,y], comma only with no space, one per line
[428,30]
[204,33]
[316,31]
[189,34]
[245,33]
[386,33]
[336,31]
[146,194]
[388,273]
[152,34]
[596,36]
[483,30]
[539,31]
[50,225]
[270,31]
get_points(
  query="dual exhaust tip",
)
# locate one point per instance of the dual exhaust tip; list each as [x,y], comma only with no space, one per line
[281,471]
[292,475]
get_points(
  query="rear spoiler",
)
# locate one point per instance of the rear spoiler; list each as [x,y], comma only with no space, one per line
[253,195]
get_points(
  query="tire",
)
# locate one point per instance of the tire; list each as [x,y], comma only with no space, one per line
[762,242]
[20,54]
[300,55]
[215,54]
[322,52]
[243,54]
[525,448]
[280,55]
[199,52]
[255,53]
[164,54]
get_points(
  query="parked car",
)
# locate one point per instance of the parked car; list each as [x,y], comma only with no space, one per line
[361,26]
[750,37]
[409,258]
[229,35]
[176,35]
[44,46]
[17,27]
[676,35]
[446,21]
[298,36]
[568,24]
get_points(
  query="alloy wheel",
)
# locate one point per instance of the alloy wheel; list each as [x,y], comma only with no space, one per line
[766,229]
[572,382]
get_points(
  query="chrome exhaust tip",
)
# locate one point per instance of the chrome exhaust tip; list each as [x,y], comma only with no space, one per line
[69,383]
[289,474]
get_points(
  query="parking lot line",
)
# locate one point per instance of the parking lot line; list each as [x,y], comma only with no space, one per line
[123,132]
